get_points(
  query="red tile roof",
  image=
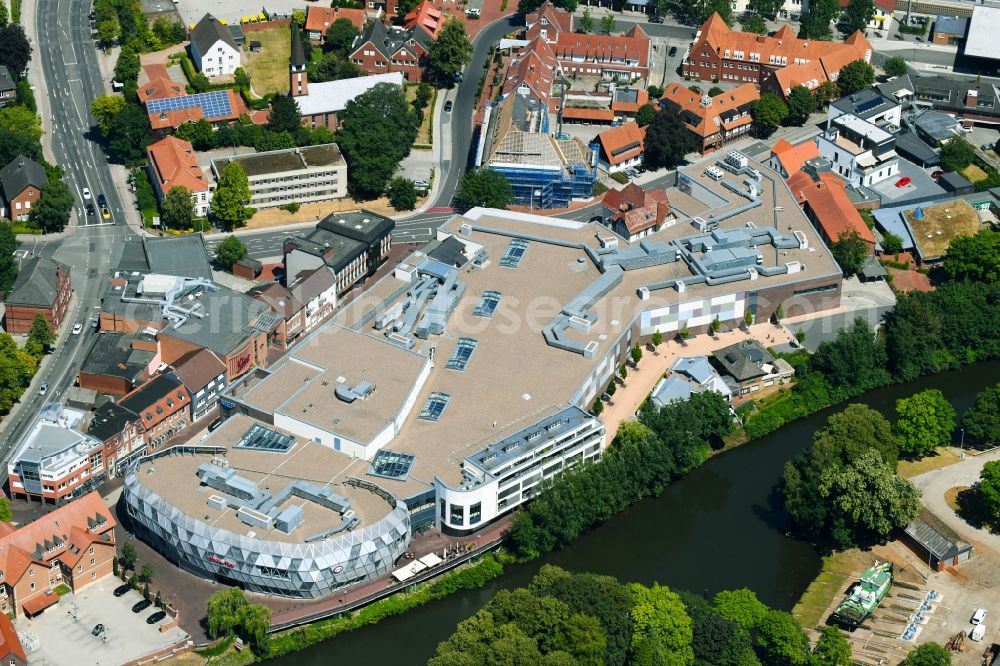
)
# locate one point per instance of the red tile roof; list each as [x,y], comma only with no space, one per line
[174,163]
[587,113]
[174,119]
[793,157]
[632,46]
[10,644]
[637,208]
[159,88]
[831,207]
[40,602]
[622,143]
[534,68]
[642,98]
[724,109]
[427,16]
[560,19]
[318,19]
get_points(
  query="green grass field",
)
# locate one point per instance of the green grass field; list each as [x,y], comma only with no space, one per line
[268,69]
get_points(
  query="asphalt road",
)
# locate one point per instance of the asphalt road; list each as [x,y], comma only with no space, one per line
[72,79]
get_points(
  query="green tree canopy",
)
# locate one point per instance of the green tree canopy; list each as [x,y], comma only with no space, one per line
[127,66]
[284,115]
[380,117]
[8,265]
[104,108]
[3,14]
[850,251]
[660,621]
[957,154]
[892,243]
[855,76]
[853,362]
[925,421]
[128,134]
[831,649]
[989,487]
[178,208]
[895,66]
[41,332]
[928,654]
[15,49]
[781,641]
[801,103]
[858,14]
[742,607]
[13,144]
[484,187]
[769,112]
[332,67]
[751,22]
[20,120]
[107,31]
[6,515]
[982,420]
[230,613]
[201,133]
[974,257]
[667,141]
[232,194]
[450,52]
[826,92]
[229,251]
[645,115]
[586,22]
[339,37]
[129,556]
[851,432]
[17,367]
[51,212]
[766,8]
[608,24]
[402,193]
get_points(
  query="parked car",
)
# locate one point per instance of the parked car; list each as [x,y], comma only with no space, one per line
[421,184]
[656,18]
[979,616]
[97,630]
[77,328]
[90,209]
[672,52]
[156,617]
[967,130]
[447,106]
[141,605]
[43,389]
[978,632]
[985,147]
[102,200]
[937,174]
[86,194]
[903,182]
[122,590]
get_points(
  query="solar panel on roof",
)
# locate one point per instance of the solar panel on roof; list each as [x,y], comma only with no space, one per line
[260,438]
[869,104]
[213,104]
[391,465]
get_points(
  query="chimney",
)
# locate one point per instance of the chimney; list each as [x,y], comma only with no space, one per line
[971,97]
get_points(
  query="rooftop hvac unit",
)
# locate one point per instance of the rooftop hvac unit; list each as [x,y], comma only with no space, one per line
[737,159]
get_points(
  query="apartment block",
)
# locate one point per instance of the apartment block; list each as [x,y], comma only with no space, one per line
[300,175]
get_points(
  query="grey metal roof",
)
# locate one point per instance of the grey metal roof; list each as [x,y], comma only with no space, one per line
[21,173]
[298,58]
[6,80]
[534,436]
[938,126]
[744,359]
[36,283]
[952,180]
[914,147]
[109,420]
[153,390]
[940,540]
[113,355]
[450,252]
[951,25]
[670,389]
[209,31]
[865,103]
[179,255]
[340,237]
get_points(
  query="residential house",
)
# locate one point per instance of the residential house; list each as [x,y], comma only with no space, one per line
[689,374]
[8,86]
[21,184]
[163,404]
[622,147]
[625,57]
[292,312]
[305,303]
[861,152]
[160,88]
[532,72]
[870,104]
[353,245]
[426,16]
[787,159]
[936,128]
[214,52]
[747,367]
[319,19]
[72,545]
[635,213]
[122,433]
[303,175]
[42,287]
[970,98]
[11,650]
[217,107]
[712,121]
[949,30]
[203,374]
[172,162]
[824,199]
[543,171]
[119,362]
[777,63]
[381,49]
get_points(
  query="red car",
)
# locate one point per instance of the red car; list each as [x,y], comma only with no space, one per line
[903,182]
[937,174]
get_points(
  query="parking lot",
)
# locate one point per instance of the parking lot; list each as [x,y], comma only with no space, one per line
[64,631]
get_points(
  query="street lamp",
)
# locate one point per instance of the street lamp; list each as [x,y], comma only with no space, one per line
[961,444]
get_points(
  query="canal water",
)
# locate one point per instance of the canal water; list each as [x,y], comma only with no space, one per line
[721,527]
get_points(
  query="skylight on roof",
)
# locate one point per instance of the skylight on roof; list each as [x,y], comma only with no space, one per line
[488,305]
[514,253]
[463,352]
[260,438]
[391,465]
[435,405]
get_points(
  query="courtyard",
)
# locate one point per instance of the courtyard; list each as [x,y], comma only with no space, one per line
[268,70]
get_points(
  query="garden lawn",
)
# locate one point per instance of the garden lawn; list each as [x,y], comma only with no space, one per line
[424,135]
[268,69]
[974,174]
[943,457]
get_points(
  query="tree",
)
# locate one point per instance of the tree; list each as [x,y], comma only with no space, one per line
[284,115]
[51,212]
[127,67]
[608,24]
[925,421]
[146,573]
[667,141]
[832,649]
[15,49]
[826,92]
[107,31]
[989,487]
[404,7]
[801,104]
[850,251]
[716,324]
[402,193]
[486,188]
[21,120]
[957,154]
[855,76]
[748,318]
[129,556]
[895,66]
[423,95]
[660,621]
[612,388]
[380,117]
[891,243]
[852,363]
[781,641]
[223,611]
[586,21]
[8,265]
[339,37]
[858,14]
[17,367]
[178,208]
[769,112]
[158,602]
[450,52]
[241,79]
[3,14]
[104,109]
[597,407]
[928,654]
[331,67]
[766,8]
[128,134]
[200,82]
[657,338]
[5,513]
[636,354]
[201,133]
[298,18]
[645,115]
[751,22]
[229,251]
[25,96]
[623,371]
[741,607]
[13,144]
[816,22]
[975,257]
[232,194]
[715,91]
[982,420]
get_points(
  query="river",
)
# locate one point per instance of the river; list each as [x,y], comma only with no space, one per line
[721,527]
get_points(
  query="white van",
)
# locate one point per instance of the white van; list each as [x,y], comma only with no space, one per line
[978,632]
[979,616]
